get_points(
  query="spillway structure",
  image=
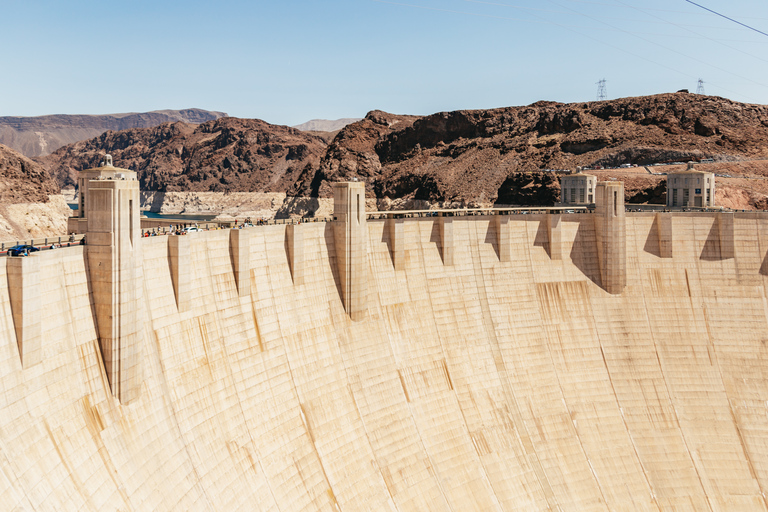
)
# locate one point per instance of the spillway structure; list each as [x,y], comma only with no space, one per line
[520,360]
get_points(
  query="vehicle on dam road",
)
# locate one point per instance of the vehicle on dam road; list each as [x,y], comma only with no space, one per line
[22,250]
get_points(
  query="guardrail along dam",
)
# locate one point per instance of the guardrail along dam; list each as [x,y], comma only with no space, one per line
[593,361]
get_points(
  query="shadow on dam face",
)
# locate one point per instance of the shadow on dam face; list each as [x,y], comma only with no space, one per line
[480,385]
[584,253]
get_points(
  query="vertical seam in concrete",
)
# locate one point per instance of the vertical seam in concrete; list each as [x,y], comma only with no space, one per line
[407,404]
[72,474]
[479,459]
[7,466]
[621,409]
[172,417]
[626,427]
[438,478]
[367,433]
[619,406]
[722,382]
[345,363]
[299,401]
[531,457]
[671,398]
[228,366]
[570,414]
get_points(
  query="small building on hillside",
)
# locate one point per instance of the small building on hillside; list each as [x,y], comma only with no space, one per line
[578,189]
[690,188]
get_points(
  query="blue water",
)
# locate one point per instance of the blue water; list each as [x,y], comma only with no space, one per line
[178,216]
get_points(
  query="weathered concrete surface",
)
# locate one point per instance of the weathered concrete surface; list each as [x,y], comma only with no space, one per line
[481,385]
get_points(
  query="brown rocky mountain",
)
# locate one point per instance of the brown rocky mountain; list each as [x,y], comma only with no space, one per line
[462,157]
[38,136]
[224,155]
[22,180]
[476,156]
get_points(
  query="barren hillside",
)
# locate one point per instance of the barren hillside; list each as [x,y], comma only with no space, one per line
[29,202]
[42,135]
[472,156]
[225,155]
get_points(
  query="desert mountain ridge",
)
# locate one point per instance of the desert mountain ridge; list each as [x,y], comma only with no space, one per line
[41,135]
[228,154]
[326,125]
[23,180]
[461,157]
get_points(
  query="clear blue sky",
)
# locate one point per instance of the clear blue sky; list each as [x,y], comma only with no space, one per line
[290,61]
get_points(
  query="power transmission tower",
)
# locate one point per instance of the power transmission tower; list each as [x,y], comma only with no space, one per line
[601,93]
[700,87]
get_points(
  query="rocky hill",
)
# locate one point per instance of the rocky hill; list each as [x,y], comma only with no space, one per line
[468,157]
[38,136]
[30,204]
[22,180]
[224,155]
[473,156]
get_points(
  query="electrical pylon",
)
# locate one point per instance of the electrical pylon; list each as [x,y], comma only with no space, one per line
[601,93]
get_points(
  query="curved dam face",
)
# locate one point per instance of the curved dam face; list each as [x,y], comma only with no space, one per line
[499,375]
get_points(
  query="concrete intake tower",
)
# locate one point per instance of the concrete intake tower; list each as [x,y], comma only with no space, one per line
[518,359]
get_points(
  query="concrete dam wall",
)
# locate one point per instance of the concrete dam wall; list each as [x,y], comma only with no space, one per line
[487,368]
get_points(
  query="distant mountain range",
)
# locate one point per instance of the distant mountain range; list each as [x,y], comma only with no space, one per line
[325,125]
[42,135]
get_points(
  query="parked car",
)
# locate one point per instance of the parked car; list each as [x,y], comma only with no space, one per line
[22,250]
[191,229]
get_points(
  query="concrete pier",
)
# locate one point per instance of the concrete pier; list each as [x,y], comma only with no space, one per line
[501,223]
[350,236]
[554,236]
[611,235]
[240,251]
[114,261]
[396,241]
[25,291]
[179,255]
[445,224]
[294,246]
[664,228]
[725,234]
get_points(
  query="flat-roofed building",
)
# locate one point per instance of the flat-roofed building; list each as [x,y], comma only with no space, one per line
[690,188]
[578,189]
